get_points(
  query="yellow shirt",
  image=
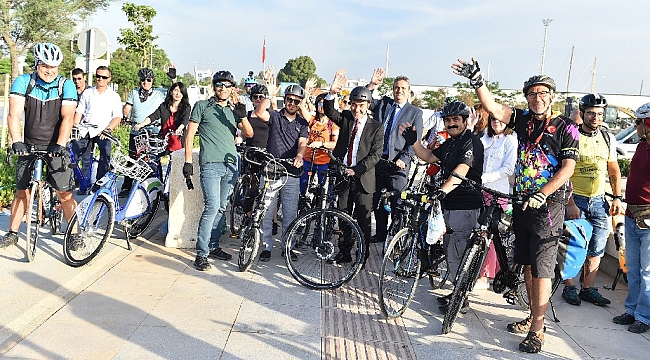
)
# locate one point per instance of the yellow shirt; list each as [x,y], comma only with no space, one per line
[589,177]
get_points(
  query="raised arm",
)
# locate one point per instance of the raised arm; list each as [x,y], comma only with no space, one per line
[376,79]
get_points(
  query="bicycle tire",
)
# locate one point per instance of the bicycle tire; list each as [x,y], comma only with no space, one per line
[438,270]
[399,222]
[56,213]
[250,245]
[34,218]
[98,227]
[135,227]
[520,290]
[314,266]
[237,205]
[466,276]
[399,274]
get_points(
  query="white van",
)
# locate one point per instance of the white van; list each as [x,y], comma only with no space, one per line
[627,141]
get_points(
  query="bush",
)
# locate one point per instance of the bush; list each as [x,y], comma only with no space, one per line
[7,180]
[624,165]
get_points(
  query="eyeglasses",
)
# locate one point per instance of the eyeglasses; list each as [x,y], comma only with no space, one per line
[103,77]
[258,96]
[594,114]
[291,100]
[77,78]
[320,104]
[532,95]
[220,84]
[146,80]
[346,102]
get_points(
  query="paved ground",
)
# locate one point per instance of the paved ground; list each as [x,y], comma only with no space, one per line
[152,303]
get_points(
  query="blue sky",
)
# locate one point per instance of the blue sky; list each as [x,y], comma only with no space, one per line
[425,37]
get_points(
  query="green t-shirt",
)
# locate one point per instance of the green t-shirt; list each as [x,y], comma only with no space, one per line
[217,129]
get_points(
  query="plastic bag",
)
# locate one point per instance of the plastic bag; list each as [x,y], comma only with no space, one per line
[437,227]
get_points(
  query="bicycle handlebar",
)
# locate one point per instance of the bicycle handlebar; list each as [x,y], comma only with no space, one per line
[517,199]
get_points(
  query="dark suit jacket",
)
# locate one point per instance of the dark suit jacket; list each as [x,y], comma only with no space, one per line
[409,113]
[370,146]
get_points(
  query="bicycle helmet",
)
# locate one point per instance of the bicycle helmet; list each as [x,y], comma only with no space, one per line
[259,89]
[146,73]
[223,75]
[592,100]
[361,93]
[455,108]
[295,90]
[643,112]
[539,80]
[250,81]
[48,54]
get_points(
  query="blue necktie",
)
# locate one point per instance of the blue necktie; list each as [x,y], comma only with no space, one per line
[389,127]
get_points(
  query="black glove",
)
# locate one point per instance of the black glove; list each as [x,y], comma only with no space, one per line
[472,71]
[171,73]
[438,194]
[410,135]
[188,170]
[19,148]
[239,110]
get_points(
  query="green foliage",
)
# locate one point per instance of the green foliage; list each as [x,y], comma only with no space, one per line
[139,39]
[299,70]
[624,165]
[7,180]
[5,66]
[467,95]
[124,71]
[434,99]
[386,87]
[188,79]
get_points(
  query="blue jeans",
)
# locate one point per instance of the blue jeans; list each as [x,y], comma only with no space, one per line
[596,210]
[319,169]
[637,258]
[217,182]
[83,149]
[289,195]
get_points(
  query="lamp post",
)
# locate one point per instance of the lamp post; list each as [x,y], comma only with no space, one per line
[151,48]
[546,23]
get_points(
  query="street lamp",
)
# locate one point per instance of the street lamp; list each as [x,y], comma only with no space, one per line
[546,23]
[151,48]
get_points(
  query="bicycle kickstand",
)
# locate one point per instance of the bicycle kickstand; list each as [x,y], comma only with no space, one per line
[619,272]
[555,319]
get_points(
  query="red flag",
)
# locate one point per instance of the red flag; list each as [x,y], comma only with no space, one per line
[264,52]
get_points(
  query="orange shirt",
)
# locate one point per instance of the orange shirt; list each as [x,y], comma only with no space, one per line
[319,131]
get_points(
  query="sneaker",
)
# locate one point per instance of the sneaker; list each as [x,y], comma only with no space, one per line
[638,327]
[292,255]
[520,327]
[76,242]
[265,256]
[592,295]
[201,263]
[532,343]
[10,238]
[341,258]
[219,254]
[570,294]
[625,319]
[124,193]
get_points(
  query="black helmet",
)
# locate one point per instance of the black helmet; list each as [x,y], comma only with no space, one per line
[539,80]
[259,89]
[361,93]
[295,90]
[146,73]
[455,108]
[223,75]
[592,100]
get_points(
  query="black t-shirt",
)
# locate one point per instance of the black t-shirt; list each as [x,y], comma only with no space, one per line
[543,144]
[260,132]
[468,150]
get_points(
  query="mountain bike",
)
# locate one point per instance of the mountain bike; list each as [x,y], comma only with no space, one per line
[94,219]
[243,192]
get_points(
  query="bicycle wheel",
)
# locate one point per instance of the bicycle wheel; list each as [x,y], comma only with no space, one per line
[467,271]
[321,229]
[135,227]
[34,218]
[250,244]
[438,271]
[399,273]
[85,239]
[237,205]
[398,222]
[55,213]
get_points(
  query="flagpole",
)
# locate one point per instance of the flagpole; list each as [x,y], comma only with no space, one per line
[264,55]
[387,52]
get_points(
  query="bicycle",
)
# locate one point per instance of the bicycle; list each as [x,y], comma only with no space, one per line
[242,194]
[44,205]
[272,176]
[84,178]
[312,237]
[151,149]
[94,219]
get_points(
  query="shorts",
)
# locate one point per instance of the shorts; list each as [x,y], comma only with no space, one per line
[60,178]
[537,233]
[596,210]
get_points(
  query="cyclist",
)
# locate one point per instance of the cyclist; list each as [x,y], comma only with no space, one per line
[260,127]
[79,80]
[249,83]
[215,121]
[597,162]
[546,158]
[462,153]
[48,101]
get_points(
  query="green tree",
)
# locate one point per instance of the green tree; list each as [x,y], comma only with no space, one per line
[124,70]
[23,23]
[434,99]
[188,79]
[140,39]
[386,87]
[467,95]
[5,66]
[299,70]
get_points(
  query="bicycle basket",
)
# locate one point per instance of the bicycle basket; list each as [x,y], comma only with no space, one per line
[127,166]
[144,143]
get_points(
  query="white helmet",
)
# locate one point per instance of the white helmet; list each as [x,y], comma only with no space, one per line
[643,112]
[48,54]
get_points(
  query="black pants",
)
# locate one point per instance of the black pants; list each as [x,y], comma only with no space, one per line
[391,180]
[358,203]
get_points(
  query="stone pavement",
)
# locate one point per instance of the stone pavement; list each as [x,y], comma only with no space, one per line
[152,303]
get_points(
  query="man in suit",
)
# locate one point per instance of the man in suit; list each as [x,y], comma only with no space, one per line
[392,113]
[359,145]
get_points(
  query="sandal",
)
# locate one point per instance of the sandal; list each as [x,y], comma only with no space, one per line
[532,343]
[520,327]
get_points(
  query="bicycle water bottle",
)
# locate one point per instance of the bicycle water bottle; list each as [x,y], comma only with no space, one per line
[38,169]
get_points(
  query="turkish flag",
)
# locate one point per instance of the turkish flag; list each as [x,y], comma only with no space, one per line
[264,52]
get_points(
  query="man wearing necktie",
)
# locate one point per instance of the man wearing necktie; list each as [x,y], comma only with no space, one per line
[392,112]
[359,145]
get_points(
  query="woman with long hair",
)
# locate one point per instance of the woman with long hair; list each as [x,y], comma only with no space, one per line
[172,115]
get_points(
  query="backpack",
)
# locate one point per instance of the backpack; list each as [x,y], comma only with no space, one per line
[572,248]
[605,134]
[32,84]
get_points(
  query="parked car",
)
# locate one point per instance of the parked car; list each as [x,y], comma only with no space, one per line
[627,141]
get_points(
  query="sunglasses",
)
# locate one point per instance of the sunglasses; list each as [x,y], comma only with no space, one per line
[220,84]
[77,79]
[146,80]
[257,97]
[103,77]
[347,102]
[294,101]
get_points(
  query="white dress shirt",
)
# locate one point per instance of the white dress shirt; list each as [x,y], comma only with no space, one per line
[98,109]
[357,140]
[499,161]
